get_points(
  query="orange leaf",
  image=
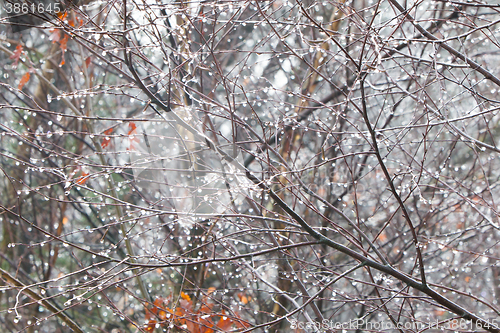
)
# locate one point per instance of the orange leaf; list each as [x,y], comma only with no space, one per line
[158,301]
[62,15]
[224,323]
[150,326]
[17,54]
[151,312]
[83,179]
[243,298]
[206,308]
[24,80]
[191,327]
[204,329]
[178,312]
[63,43]
[162,315]
[105,141]
[132,128]
[382,237]
[87,62]
[185,296]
